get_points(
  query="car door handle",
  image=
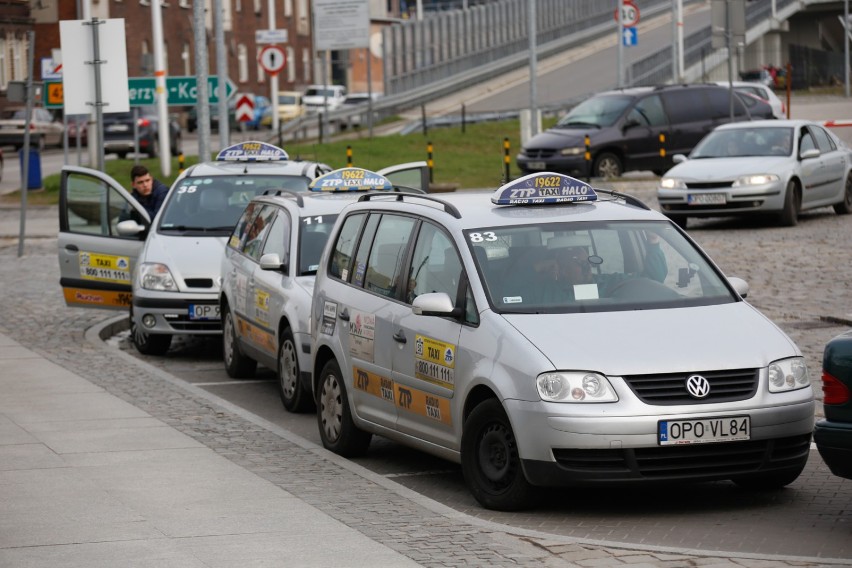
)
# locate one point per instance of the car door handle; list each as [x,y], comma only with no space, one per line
[399,337]
[72,248]
[344,314]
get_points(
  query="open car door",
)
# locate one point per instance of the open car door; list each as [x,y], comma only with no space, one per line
[96,263]
[411,174]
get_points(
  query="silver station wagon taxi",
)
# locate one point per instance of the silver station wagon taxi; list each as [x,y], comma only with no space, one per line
[268,273]
[553,335]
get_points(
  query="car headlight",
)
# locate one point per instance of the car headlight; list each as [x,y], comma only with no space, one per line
[755,179]
[672,183]
[156,276]
[575,387]
[788,374]
[575,151]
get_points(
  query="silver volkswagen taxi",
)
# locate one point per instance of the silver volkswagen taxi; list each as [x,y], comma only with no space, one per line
[552,335]
[267,278]
[166,270]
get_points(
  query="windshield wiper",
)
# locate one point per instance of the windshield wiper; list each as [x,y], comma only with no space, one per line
[579,123]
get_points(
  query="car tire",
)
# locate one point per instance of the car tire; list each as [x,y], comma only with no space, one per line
[337,430]
[237,365]
[176,146]
[789,216]
[152,149]
[121,155]
[290,387]
[769,481]
[147,343]
[845,206]
[490,460]
[608,165]
[679,220]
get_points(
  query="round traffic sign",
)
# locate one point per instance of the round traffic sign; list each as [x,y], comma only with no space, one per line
[272,58]
[629,14]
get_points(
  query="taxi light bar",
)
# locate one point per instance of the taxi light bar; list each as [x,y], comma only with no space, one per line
[351,179]
[543,188]
[252,151]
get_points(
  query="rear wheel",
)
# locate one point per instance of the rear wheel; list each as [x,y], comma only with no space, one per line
[237,365]
[121,155]
[789,216]
[608,166]
[146,343]
[337,430]
[845,206]
[290,387]
[490,460]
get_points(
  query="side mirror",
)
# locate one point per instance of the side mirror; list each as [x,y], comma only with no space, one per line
[740,286]
[130,228]
[679,158]
[808,154]
[434,304]
[271,261]
[630,123]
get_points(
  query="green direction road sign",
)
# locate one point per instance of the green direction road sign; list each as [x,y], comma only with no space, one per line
[181,90]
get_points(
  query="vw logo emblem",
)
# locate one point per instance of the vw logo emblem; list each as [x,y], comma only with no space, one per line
[697,386]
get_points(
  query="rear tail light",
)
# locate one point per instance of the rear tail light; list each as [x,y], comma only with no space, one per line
[143,122]
[834,392]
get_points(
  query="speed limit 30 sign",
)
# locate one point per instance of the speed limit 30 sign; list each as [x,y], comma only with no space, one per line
[629,14]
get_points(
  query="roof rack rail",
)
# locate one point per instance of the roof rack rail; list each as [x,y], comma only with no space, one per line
[635,201]
[285,193]
[448,207]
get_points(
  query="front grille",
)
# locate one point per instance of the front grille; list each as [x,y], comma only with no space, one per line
[670,389]
[717,461]
[539,153]
[709,184]
[198,282]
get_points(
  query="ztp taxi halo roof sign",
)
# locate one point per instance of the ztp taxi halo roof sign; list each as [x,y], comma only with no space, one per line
[351,179]
[543,188]
[252,151]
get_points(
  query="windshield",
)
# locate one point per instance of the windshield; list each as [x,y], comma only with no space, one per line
[743,142]
[595,266]
[313,234]
[287,100]
[214,203]
[597,111]
[314,92]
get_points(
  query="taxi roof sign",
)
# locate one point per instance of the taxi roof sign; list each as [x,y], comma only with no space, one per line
[543,188]
[252,151]
[351,179]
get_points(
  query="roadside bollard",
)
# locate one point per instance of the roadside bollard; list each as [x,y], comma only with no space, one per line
[588,157]
[349,156]
[663,146]
[506,160]
[429,161]
[181,162]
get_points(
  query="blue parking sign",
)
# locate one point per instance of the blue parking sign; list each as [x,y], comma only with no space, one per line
[629,37]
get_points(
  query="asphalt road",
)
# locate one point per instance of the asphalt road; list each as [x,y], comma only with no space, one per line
[794,279]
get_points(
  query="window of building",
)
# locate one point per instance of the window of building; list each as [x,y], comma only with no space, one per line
[288,8]
[306,65]
[186,58]
[291,65]
[261,74]
[242,63]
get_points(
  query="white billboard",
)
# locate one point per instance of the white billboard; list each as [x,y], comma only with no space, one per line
[341,24]
[78,77]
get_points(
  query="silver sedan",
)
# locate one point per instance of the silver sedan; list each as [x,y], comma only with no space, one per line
[777,167]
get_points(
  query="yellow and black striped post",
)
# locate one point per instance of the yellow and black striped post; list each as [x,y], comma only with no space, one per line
[429,161]
[349,156]
[506,160]
[180,163]
[663,146]
[588,156]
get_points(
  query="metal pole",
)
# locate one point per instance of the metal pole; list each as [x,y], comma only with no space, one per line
[369,91]
[532,30]
[25,167]
[162,96]
[202,104]
[273,78]
[96,61]
[675,78]
[846,45]
[620,44]
[680,54]
[729,35]
[222,74]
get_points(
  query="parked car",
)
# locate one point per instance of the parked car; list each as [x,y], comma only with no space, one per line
[547,334]
[261,106]
[290,106]
[119,131]
[45,129]
[779,109]
[276,245]
[358,104]
[78,123]
[625,127]
[833,434]
[318,98]
[774,167]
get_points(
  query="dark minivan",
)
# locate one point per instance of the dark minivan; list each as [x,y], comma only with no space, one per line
[638,128]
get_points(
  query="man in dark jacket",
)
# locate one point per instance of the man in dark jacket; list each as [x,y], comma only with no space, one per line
[150,193]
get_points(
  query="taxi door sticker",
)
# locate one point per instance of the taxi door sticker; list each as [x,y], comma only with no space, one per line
[435,361]
[329,318]
[104,267]
[257,335]
[409,399]
[261,306]
[362,332]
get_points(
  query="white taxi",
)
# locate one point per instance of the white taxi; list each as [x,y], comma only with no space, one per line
[553,335]
[267,278]
[166,269]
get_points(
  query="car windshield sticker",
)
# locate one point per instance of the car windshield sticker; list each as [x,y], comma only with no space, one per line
[252,151]
[329,318]
[435,361]
[351,179]
[104,267]
[406,398]
[543,188]
[362,332]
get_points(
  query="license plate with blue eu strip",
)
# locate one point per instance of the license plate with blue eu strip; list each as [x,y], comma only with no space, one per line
[703,430]
[204,312]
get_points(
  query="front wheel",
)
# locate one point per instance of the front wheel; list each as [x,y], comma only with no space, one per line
[789,216]
[490,460]
[146,343]
[845,206]
[237,365]
[290,386]
[608,165]
[337,430]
